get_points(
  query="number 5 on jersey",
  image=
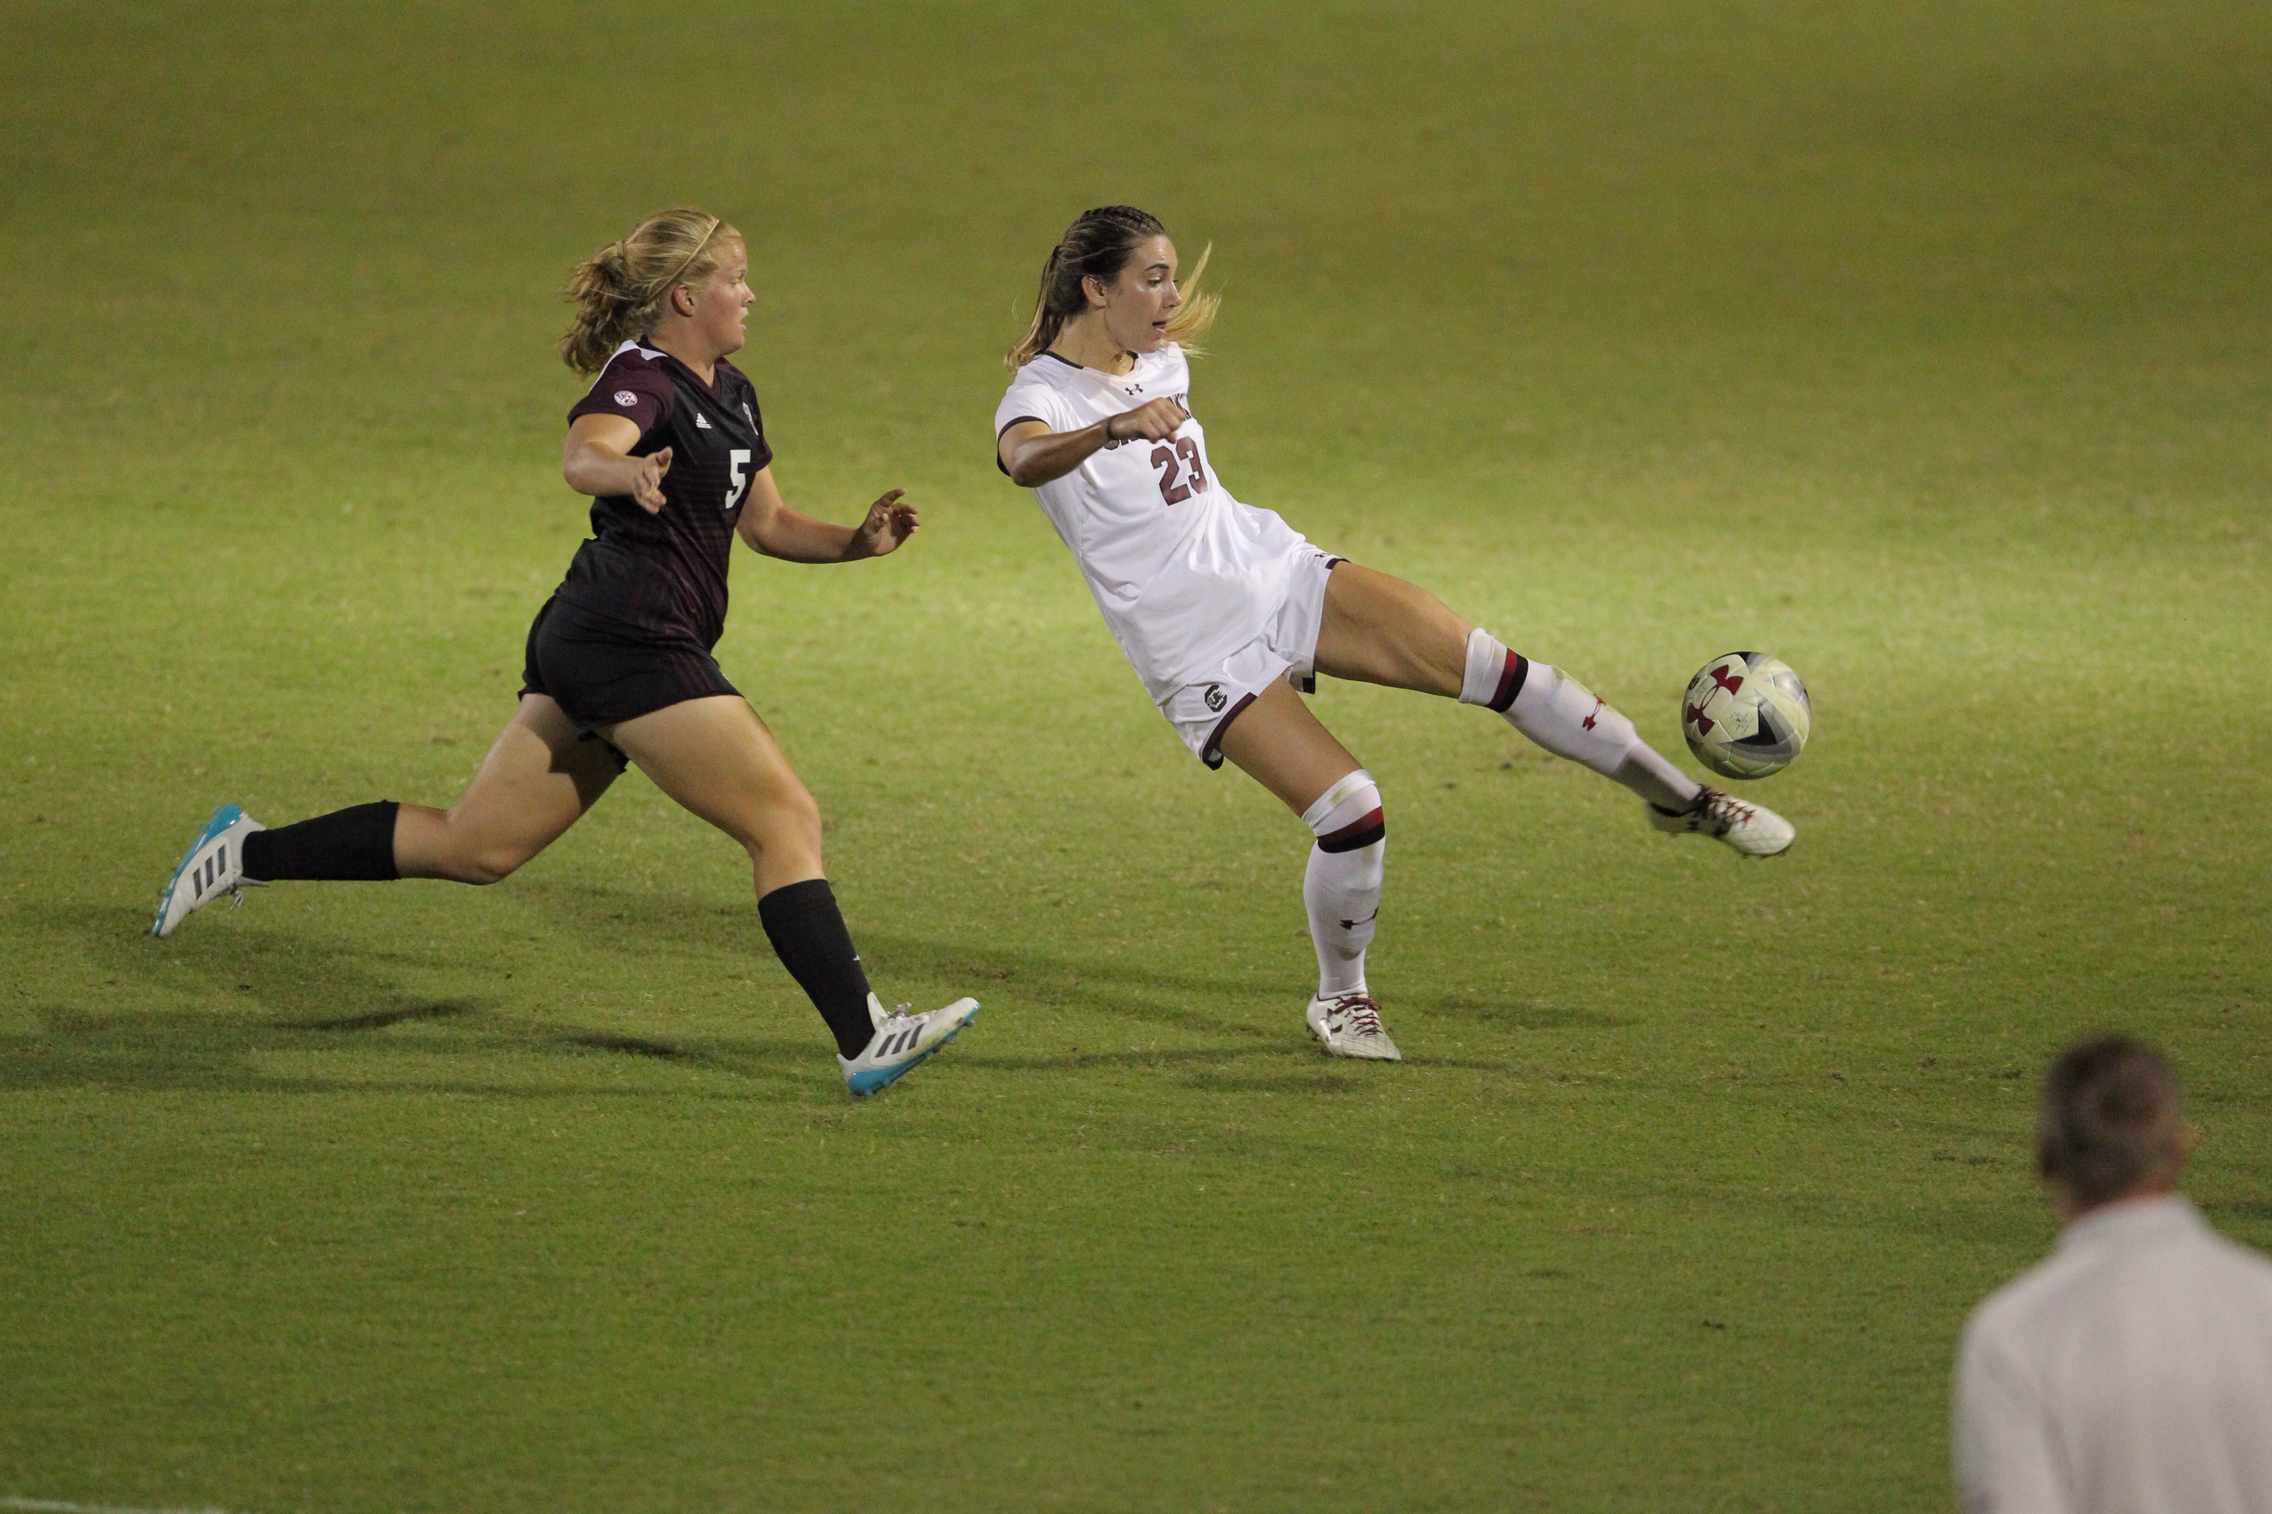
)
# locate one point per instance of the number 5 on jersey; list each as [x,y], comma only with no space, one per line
[1167,459]
[737,479]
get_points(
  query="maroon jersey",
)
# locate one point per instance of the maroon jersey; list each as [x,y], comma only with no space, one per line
[666,572]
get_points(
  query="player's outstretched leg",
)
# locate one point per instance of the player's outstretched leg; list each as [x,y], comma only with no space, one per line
[716,757]
[1570,720]
[539,776]
[1381,629]
[1288,751]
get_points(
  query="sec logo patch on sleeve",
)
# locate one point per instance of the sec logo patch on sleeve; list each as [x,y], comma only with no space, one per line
[626,398]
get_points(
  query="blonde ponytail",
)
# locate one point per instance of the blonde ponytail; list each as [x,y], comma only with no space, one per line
[1196,314]
[620,291]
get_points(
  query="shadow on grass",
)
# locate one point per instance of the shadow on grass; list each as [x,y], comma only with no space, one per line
[1065,980]
[219,1053]
[380,1019]
[317,994]
[1135,990]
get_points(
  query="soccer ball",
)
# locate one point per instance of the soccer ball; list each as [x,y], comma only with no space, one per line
[1746,715]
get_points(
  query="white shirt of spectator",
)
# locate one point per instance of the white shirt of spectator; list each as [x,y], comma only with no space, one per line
[2128,1373]
[1184,573]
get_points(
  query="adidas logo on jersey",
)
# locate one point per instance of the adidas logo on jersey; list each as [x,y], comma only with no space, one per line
[701,420]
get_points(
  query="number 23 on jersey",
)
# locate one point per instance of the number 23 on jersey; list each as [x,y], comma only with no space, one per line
[1173,460]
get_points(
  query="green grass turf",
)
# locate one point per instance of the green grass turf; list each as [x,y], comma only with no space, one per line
[1924,345]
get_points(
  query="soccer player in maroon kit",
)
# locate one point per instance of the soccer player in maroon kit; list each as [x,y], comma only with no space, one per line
[669,443]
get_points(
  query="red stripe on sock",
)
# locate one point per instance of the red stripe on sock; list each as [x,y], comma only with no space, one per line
[1359,833]
[1510,681]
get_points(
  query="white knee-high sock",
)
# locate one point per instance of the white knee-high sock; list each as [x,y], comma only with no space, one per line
[1342,885]
[1570,720]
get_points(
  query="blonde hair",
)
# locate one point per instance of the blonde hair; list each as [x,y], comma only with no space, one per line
[620,291]
[1099,244]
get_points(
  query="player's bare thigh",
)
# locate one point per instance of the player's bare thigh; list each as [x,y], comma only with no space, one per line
[538,778]
[1280,744]
[717,758]
[1381,629]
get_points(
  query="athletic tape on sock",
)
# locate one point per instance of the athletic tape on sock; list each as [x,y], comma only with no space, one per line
[1494,675]
[1347,815]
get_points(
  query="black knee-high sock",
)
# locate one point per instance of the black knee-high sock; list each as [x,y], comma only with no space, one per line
[355,845]
[807,930]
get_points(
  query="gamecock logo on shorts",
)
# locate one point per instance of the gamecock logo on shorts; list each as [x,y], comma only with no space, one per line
[1214,697]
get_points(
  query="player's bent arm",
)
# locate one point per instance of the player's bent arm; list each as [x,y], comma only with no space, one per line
[769,526]
[596,460]
[1032,454]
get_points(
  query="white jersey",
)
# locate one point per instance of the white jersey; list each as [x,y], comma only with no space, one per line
[1184,573]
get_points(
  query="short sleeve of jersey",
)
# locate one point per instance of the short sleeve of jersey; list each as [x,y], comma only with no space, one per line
[639,392]
[1030,399]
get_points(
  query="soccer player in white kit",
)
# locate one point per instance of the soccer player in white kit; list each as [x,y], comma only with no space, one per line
[1225,611]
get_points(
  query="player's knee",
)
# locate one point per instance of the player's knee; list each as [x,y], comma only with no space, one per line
[799,811]
[788,818]
[1348,815]
[487,865]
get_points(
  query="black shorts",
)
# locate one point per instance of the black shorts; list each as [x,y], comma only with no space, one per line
[601,671]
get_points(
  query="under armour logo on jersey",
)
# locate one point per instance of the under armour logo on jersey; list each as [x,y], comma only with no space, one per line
[626,398]
[701,420]
[1133,388]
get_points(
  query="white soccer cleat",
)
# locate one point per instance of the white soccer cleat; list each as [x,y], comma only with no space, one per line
[1751,830]
[1350,1026]
[214,865]
[902,1040]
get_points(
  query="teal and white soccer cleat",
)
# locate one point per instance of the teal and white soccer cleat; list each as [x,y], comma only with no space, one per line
[1751,830]
[214,865]
[901,1041]
[1350,1026]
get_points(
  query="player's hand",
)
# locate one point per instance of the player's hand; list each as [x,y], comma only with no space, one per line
[1155,421]
[891,520]
[647,479]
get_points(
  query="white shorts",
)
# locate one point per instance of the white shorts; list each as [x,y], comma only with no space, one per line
[1287,648]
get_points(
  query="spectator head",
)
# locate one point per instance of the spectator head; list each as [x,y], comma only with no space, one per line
[2111,1126]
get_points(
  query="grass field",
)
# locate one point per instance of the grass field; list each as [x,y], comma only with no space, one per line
[1925,345]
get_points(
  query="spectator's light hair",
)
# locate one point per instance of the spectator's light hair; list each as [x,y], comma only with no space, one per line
[1100,244]
[620,291]
[2111,1122]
